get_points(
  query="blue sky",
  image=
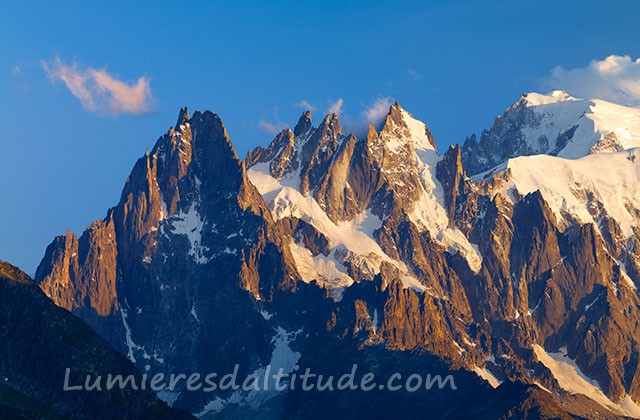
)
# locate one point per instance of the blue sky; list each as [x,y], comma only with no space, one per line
[455,65]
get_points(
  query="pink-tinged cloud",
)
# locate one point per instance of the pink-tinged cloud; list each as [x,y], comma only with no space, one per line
[99,92]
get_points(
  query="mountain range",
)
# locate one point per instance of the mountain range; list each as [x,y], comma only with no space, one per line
[510,262]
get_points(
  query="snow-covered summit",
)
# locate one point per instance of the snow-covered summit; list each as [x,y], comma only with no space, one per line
[535,99]
[399,127]
[556,124]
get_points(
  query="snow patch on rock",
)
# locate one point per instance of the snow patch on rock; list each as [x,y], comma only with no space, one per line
[573,380]
[191,224]
[486,374]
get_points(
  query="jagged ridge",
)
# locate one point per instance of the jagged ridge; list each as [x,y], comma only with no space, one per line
[359,243]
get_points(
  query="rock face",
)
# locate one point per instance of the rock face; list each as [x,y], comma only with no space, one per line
[324,249]
[39,341]
[75,258]
[190,233]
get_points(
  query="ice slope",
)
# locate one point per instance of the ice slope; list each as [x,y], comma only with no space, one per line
[284,200]
[583,189]
[429,212]
[594,120]
[571,379]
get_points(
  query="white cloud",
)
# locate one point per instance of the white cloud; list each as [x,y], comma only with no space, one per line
[358,125]
[270,127]
[616,79]
[377,111]
[100,92]
[414,75]
[374,113]
[335,107]
[306,105]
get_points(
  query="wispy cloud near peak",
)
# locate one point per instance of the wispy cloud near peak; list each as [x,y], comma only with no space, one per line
[414,75]
[378,110]
[306,105]
[100,92]
[271,127]
[336,107]
[372,114]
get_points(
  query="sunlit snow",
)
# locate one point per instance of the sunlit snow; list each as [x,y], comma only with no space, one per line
[571,379]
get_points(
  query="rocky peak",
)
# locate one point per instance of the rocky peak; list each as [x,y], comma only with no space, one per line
[393,117]
[183,116]
[396,152]
[318,151]
[13,274]
[79,273]
[280,154]
[330,126]
[304,124]
[451,175]
[191,178]
[335,192]
[400,128]
[211,138]
[538,249]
